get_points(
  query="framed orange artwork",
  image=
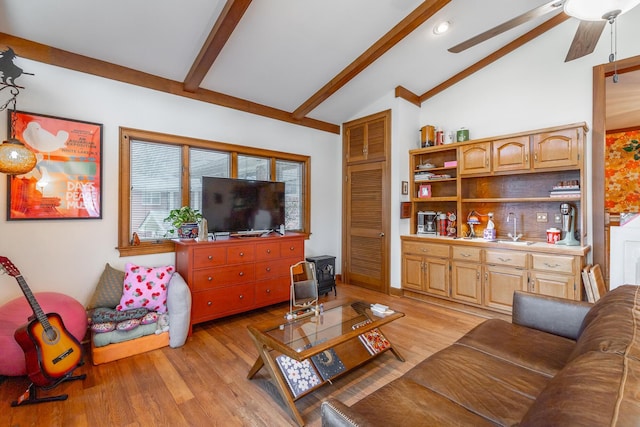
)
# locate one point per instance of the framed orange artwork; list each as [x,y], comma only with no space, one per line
[66,182]
[622,171]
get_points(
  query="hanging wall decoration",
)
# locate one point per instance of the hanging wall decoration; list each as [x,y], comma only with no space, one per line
[622,172]
[66,182]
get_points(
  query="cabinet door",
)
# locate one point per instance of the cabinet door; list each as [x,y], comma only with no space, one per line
[436,279]
[511,154]
[556,149]
[555,285]
[412,272]
[367,141]
[475,158]
[500,284]
[466,284]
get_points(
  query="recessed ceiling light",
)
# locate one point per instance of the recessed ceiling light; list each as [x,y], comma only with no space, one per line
[441,27]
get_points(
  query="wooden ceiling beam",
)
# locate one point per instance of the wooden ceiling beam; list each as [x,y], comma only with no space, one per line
[407,95]
[223,28]
[539,30]
[84,64]
[390,39]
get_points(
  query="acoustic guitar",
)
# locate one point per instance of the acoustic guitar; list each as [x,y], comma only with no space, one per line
[51,352]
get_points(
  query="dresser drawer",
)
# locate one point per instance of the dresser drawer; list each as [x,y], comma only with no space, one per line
[510,258]
[215,302]
[270,250]
[209,257]
[553,263]
[223,276]
[272,291]
[428,249]
[274,268]
[292,248]
[240,254]
[466,253]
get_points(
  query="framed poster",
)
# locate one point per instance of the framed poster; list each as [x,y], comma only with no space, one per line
[66,182]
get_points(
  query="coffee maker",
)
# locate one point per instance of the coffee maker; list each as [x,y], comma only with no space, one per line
[568,225]
[427,222]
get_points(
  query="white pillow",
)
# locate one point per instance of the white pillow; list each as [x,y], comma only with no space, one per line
[179,309]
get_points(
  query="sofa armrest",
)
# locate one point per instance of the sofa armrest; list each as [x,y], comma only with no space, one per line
[179,308]
[558,316]
[336,413]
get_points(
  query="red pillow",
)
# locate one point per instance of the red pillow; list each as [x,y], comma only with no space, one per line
[145,287]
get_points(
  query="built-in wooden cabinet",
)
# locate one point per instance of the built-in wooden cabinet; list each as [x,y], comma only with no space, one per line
[365,141]
[475,158]
[426,268]
[505,174]
[234,275]
[511,154]
[485,274]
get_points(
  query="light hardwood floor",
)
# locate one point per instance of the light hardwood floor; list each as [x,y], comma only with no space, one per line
[205,382]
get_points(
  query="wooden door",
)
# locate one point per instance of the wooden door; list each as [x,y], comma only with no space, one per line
[556,149]
[365,139]
[437,276]
[475,158]
[366,226]
[511,154]
[465,277]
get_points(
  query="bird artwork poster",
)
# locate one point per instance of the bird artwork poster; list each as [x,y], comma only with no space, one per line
[66,182]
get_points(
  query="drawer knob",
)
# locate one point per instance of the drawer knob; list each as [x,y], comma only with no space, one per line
[268,251]
[209,303]
[241,253]
[209,278]
[210,257]
[268,269]
[268,291]
[241,273]
[465,255]
[552,265]
[504,259]
[241,296]
[292,248]
[423,249]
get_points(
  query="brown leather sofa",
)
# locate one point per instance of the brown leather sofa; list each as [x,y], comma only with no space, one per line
[558,363]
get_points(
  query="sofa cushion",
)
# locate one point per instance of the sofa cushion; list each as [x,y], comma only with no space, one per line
[532,349]
[405,403]
[595,389]
[493,388]
[610,325]
[109,289]
[145,287]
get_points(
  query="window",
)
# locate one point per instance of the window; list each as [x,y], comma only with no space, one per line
[160,172]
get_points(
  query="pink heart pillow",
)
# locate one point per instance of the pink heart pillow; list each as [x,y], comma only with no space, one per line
[145,287]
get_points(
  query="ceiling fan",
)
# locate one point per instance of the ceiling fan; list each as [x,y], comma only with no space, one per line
[593,16]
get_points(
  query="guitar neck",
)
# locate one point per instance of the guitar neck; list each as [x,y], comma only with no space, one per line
[37,310]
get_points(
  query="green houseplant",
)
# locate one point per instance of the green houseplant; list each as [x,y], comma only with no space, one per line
[185,221]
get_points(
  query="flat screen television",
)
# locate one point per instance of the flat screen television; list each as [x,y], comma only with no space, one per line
[240,205]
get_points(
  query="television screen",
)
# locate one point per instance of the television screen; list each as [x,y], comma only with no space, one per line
[233,205]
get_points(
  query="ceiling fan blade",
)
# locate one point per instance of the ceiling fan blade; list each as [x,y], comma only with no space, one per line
[586,39]
[505,26]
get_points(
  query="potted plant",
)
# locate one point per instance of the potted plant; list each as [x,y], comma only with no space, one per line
[185,221]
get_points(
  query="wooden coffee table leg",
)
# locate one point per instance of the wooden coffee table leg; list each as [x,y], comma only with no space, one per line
[396,353]
[270,364]
[255,368]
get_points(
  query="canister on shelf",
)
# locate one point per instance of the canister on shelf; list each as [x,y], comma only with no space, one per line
[427,136]
[462,134]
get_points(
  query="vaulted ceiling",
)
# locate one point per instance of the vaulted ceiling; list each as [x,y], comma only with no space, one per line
[314,63]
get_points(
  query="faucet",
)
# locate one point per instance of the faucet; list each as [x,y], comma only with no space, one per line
[515,236]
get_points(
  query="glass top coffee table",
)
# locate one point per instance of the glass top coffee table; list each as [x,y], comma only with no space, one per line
[305,353]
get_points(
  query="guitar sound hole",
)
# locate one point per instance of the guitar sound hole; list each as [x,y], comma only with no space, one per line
[50,335]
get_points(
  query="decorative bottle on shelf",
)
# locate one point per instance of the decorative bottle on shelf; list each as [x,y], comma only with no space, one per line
[490,231]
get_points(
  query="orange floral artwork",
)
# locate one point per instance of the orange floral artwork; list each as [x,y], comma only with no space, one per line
[622,173]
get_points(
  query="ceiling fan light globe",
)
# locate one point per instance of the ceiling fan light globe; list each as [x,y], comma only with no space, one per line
[598,10]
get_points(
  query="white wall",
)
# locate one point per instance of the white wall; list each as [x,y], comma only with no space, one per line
[69,255]
[528,89]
